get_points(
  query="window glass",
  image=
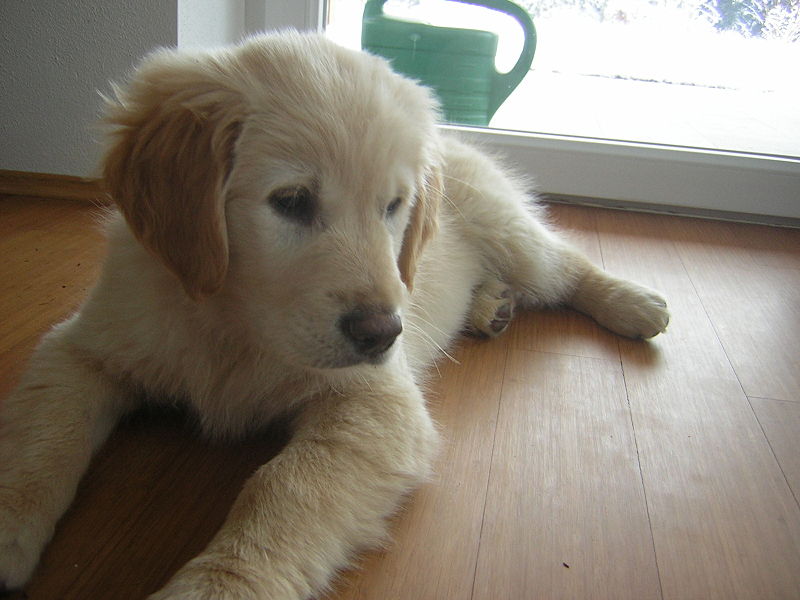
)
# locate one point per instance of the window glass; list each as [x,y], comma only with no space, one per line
[716,74]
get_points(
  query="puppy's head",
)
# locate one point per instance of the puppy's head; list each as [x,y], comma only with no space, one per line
[288,181]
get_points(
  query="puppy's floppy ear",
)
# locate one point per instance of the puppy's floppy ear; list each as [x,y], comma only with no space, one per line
[422,226]
[175,127]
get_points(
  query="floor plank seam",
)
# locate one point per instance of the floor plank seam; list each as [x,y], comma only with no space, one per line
[641,476]
[489,474]
[571,355]
[600,245]
[772,450]
[781,400]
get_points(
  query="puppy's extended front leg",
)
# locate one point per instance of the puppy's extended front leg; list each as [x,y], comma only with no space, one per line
[62,410]
[303,515]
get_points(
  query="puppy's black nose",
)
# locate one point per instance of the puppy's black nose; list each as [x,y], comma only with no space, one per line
[371,331]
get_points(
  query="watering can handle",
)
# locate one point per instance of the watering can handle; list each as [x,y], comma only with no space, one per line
[502,83]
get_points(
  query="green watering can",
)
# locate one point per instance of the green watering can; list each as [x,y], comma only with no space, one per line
[457,63]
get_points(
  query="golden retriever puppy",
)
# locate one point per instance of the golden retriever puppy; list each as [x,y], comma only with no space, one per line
[294,237]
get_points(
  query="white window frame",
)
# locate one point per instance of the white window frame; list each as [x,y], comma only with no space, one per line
[669,178]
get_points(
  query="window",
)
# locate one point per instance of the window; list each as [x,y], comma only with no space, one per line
[597,119]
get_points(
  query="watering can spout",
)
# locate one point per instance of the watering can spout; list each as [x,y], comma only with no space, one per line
[458,64]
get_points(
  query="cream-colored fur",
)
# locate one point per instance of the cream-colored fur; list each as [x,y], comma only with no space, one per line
[227,292]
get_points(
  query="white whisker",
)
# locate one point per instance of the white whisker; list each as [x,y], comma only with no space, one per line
[427,337]
[426,321]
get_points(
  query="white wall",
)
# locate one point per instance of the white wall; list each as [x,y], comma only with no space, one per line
[54,58]
[210,23]
[55,55]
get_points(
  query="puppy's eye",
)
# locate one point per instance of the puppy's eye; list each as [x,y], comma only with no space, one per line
[295,203]
[393,206]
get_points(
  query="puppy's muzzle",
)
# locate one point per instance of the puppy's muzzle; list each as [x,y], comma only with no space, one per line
[371,331]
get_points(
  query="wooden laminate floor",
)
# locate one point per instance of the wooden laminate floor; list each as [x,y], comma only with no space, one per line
[576,464]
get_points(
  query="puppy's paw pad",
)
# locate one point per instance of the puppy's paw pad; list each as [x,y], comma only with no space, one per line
[492,309]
